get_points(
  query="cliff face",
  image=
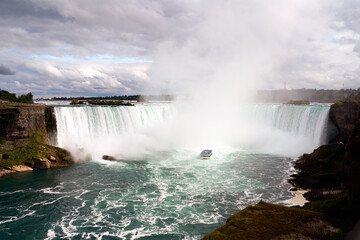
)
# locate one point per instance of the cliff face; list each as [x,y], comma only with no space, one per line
[25,134]
[351,170]
[345,116]
[21,122]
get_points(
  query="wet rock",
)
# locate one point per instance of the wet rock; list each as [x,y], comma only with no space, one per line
[42,163]
[21,168]
[5,172]
[109,158]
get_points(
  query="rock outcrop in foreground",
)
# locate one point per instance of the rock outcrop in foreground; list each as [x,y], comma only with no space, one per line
[271,221]
[26,132]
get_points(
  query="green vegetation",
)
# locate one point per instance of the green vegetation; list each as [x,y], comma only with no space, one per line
[298,102]
[321,169]
[268,221]
[347,103]
[110,103]
[74,101]
[335,208]
[24,151]
[139,98]
[7,96]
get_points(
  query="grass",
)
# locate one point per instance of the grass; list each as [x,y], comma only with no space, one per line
[320,169]
[25,151]
[335,209]
[267,221]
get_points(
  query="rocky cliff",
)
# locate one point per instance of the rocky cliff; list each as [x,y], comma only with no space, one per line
[351,171]
[26,134]
[345,115]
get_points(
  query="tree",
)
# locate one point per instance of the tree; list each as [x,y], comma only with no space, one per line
[28,98]
[5,95]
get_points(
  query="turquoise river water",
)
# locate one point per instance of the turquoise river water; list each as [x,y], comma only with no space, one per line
[167,194]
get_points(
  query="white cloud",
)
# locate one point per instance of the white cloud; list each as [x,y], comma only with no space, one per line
[117,46]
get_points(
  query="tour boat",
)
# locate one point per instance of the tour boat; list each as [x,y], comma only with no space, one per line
[206,153]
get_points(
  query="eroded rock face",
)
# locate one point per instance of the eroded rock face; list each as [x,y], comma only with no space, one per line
[51,127]
[351,168]
[20,123]
[345,116]
[42,163]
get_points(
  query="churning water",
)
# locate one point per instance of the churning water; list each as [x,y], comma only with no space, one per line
[159,189]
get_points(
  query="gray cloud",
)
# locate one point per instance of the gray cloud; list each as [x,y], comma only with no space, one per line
[6,71]
[52,45]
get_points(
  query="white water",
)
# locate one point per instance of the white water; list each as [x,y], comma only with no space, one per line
[99,130]
[134,132]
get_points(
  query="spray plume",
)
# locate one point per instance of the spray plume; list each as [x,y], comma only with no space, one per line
[233,50]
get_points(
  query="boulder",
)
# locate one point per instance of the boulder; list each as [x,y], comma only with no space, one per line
[5,172]
[42,163]
[107,157]
[21,168]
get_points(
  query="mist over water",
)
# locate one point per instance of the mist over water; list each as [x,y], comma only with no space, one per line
[143,130]
[233,50]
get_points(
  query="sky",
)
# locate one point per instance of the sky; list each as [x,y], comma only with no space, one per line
[118,47]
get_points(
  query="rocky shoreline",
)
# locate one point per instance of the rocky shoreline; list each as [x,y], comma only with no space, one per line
[330,174]
[27,136]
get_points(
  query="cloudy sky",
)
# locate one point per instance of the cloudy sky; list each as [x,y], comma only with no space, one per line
[116,47]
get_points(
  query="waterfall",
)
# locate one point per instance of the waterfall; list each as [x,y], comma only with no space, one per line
[133,130]
[88,128]
[300,121]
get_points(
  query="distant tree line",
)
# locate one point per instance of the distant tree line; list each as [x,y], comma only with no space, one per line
[139,98]
[7,96]
[312,95]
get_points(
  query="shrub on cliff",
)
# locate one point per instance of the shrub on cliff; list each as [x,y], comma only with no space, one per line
[28,98]
[74,101]
[298,102]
